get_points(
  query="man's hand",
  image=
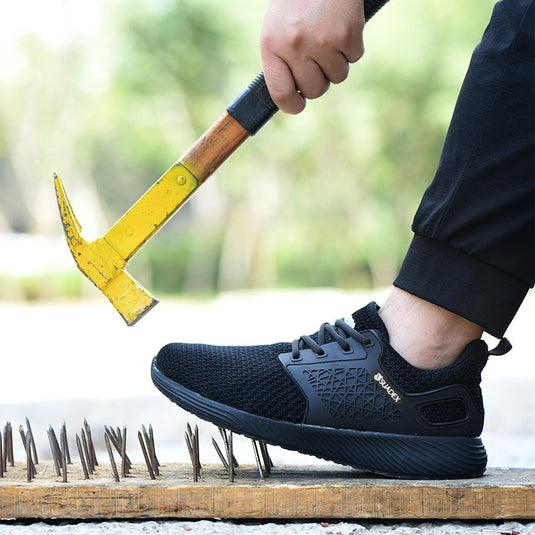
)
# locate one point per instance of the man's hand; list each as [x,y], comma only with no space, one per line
[308,44]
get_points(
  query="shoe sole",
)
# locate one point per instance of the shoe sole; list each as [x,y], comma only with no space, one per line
[392,455]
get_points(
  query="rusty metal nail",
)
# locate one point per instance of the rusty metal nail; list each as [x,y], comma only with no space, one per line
[30,469]
[82,457]
[32,441]
[230,462]
[53,450]
[197,450]
[189,432]
[26,440]
[193,457]
[112,460]
[64,427]
[33,470]
[145,455]
[63,440]
[151,436]
[90,444]
[55,445]
[123,453]
[88,456]
[221,456]
[257,459]
[146,437]
[150,448]
[189,445]
[117,441]
[113,437]
[268,463]
[10,458]
[224,435]
[22,436]
[230,455]
[122,439]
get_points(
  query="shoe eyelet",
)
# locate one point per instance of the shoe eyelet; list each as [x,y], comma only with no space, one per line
[296,358]
[348,351]
[321,354]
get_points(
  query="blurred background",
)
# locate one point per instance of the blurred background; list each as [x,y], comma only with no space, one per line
[305,223]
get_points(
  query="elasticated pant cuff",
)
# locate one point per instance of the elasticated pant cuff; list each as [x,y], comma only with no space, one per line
[462,284]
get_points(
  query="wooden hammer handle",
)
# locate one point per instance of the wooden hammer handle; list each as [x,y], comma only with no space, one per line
[245,115]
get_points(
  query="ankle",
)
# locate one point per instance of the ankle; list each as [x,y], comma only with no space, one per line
[424,334]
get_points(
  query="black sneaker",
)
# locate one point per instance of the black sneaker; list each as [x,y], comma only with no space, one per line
[342,394]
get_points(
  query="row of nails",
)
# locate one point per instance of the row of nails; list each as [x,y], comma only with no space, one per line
[117,438]
[86,450]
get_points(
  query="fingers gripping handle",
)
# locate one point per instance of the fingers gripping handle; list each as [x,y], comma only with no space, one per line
[254,107]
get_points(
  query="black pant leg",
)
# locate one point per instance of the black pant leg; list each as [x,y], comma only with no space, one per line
[473,249]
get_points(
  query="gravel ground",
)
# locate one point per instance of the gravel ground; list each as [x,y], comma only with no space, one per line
[205,527]
[76,360]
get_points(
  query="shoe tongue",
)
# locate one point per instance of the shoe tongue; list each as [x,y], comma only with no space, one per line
[367,318]
[362,320]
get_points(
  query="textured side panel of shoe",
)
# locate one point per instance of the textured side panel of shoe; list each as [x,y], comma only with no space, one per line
[354,390]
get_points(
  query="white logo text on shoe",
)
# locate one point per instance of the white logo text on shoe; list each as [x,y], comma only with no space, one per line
[378,376]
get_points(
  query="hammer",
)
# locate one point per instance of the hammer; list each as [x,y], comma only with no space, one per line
[103,261]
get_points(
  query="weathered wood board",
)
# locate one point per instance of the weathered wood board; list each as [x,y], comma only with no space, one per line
[289,492]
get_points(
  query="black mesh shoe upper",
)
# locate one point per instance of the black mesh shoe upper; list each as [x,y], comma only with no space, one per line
[253,379]
[249,378]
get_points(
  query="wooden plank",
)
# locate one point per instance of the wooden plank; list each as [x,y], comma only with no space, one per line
[289,493]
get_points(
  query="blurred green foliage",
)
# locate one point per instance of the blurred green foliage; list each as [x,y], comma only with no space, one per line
[321,199]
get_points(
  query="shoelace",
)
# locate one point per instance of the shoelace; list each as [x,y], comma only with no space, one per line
[334,330]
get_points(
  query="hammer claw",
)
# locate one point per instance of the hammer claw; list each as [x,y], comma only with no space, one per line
[103,265]
[71,225]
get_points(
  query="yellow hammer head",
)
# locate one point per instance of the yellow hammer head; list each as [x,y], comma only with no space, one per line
[103,266]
